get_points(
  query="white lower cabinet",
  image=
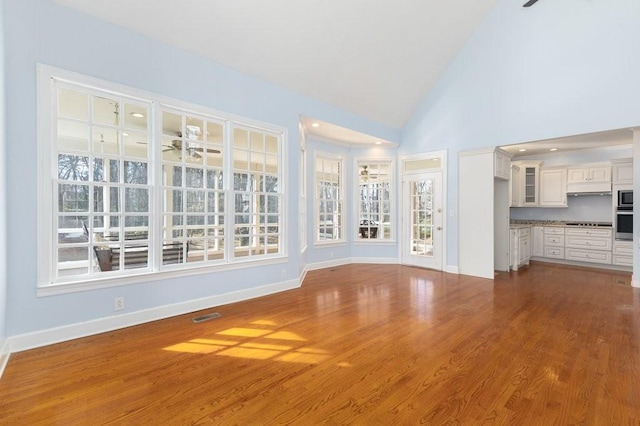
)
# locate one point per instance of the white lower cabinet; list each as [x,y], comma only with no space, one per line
[519,246]
[554,242]
[623,253]
[592,245]
[537,241]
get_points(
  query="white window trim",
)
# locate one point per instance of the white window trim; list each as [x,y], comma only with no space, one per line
[324,243]
[303,226]
[47,164]
[392,200]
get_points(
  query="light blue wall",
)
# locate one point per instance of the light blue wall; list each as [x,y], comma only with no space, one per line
[3,189]
[41,31]
[559,68]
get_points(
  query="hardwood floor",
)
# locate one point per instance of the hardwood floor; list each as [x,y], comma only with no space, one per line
[359,344]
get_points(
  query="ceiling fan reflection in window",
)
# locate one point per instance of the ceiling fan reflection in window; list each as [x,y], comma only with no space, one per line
[364,174]
[192,149]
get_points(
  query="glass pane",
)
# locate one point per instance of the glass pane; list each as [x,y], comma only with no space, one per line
[195,201]
[257,142]
[173,200]
[135,117]
[240,138]
[240,159]
[73,261]
[272,144]
[136,200]
[173,252]
[241,182]
[135,256]
[172,175]
[106,111]
[257,161]
[114,171]
[73,167]
[72,229]
[271,164]
[73,136]
[171,124]
[215,132]
[72,104]
[105,140]
[171,148]
[214,159]
[114,200]
[136,227]
[194,128]
[214,179]
[135,172]
[135,144]
[194,177]
[73,198]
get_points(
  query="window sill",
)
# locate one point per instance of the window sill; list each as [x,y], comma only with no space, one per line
[373,242]
[100,283]
[320,244]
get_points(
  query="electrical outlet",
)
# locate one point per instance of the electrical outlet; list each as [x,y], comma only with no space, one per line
[283,273]
[118,303]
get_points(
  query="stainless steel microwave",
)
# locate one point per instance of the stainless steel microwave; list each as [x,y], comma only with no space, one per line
[625,199]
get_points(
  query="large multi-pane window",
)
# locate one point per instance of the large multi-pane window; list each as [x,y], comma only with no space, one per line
[140,186]
[256,192]
[329,198]
[374,199]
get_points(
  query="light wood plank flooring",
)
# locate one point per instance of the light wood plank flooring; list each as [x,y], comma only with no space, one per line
[359,344]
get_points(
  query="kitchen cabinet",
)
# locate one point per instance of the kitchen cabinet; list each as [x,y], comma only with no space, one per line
[589,178]
[528,183]
[520,246]
[554,242]
[623,173]
[623,253]
[537,241]
[501,165]
[589,245]
[553,187]
[516,199]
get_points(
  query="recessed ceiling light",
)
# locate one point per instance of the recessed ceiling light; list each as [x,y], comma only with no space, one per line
[553,149]
[522,150]
[125,134]
[315,125]
[378,143]
[137,114]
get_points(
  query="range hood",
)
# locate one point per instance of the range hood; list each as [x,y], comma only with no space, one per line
[585,193]
[589,188]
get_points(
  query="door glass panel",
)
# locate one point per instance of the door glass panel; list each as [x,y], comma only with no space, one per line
[421,196]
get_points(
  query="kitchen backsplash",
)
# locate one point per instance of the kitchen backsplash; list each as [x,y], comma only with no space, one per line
[591,208]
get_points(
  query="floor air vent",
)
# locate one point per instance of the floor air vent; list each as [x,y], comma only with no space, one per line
[206,317]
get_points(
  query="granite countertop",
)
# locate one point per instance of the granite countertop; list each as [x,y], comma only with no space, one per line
[519,223]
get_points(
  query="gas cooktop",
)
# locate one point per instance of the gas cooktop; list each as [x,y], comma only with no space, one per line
[601,224]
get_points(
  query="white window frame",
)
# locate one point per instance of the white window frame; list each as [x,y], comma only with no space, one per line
[303,194]
[340,201]
[47,284]
[357,163]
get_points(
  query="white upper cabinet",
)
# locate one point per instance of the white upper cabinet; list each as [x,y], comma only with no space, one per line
[589,178]
[623,173]
[527,187]
[515,193]
[501,165]
[553,187]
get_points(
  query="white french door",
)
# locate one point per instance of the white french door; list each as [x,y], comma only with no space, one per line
[422,220]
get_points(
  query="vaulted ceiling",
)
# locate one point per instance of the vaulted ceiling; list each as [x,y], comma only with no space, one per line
[375,58]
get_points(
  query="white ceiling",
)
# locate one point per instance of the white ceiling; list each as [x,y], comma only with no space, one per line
[375,58]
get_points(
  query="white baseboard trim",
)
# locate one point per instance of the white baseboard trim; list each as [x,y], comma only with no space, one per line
[634,282]
[50,336]
[328,264]
[450,269]
[376,260]
[4,355]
